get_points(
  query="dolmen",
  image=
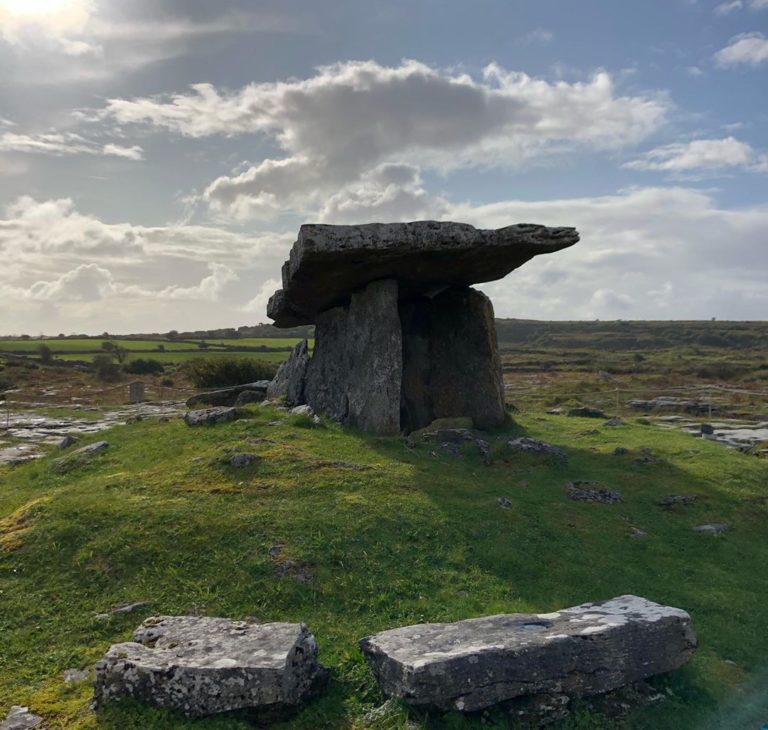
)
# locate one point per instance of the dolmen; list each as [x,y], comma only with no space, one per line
[401,338]
[585,650]
[201,666]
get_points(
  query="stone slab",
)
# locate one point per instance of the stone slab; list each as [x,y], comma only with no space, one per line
[201,665]
[328,263]
[584,650]
[226,396]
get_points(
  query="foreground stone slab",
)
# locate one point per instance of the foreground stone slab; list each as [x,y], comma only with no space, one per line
[328,263]
[584,650]
[20,718]
[202,665]
[210,416]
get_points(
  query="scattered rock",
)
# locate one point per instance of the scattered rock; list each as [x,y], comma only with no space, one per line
[129,607]
[247,397]
[303,410]
[210,416]
[535,446]
[586,412]
[585,491]
[585,650]
[242,460]
[227,396]
[620,451]
[300,572]
[637,532]
[67,441]
[75,675]
[707,429]
[713,528]
[613,422]
[504,502]
[275,550]
[79,456]
[556,411]
[678,500]
[485,451]
[202,665]
[20,718]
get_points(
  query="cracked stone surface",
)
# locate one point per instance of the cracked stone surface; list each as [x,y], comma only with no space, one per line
[20,718]
[584,650]
[328,263]
[201,665]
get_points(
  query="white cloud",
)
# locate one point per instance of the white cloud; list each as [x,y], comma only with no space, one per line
[61,144]
[758,4]
[209,288]
[748,48]
[339,125]
[694,71]
[58,21]
[700,154]
[728,7]
[666,253]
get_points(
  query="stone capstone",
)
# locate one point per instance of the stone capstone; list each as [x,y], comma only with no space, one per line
[327,264]
[289,381]
[227,396]
[585,650]
[202,665]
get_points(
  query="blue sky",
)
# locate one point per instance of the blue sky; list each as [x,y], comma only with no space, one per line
[156,160]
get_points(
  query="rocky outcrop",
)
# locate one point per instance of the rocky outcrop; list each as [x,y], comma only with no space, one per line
[585,650]
[227,396]
[289,381]
[210,416]
[329,263]
[202,665]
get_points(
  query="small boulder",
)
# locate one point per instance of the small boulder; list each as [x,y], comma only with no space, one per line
[534,446]
[227,396]
[201,666]
[249,396]
[586,412]
[712,528]
[67,441]
[620,451]
[678,500]
[240,461]
[303,410]
[504,502]
[210,416]
[582,490]
[707,429]
[613,422]
[72,676]
[20,718]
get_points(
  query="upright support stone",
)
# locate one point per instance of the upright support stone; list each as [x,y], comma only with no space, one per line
[291,376]
[136,392]
[355,373]
[451,362]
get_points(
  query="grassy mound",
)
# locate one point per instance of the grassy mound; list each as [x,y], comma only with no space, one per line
[376,535]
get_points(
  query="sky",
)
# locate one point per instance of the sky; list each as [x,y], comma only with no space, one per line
[158,157]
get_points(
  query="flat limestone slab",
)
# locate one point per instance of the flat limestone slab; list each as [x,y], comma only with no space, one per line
[202,665]
[584,650]
[327,263]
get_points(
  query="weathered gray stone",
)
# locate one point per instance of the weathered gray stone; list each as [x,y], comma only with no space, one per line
[586,412]
[79,457]
[328,263]
[210,416]
[712,528]
[355,372]
[72,676]
[582,490]
[291,376]
[67,441]
[240,461]
[202,665]
[20,718]
[584,650]
[249,396]
[227,396]
[534,446]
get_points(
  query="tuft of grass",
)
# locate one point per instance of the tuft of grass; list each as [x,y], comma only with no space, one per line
[381,535]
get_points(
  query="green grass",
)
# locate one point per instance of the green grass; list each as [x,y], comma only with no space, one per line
[416,537]
[179,357]
[84,345]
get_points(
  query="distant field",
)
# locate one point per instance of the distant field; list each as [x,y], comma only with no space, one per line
[186,355]
[93,346]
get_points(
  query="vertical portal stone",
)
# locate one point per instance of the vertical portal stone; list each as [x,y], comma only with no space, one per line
[451,362]
[355,373]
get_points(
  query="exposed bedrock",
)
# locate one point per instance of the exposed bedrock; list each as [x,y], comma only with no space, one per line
[584,650]
[328,263]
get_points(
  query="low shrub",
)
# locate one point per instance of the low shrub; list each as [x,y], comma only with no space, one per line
[105,368]
[223,372]
[141,366]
